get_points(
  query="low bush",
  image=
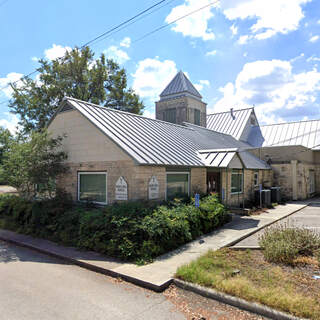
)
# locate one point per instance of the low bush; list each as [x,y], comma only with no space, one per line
[131,231]
[283,244]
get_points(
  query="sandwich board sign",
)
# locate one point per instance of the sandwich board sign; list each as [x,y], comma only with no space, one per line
[121,189]
[153,189]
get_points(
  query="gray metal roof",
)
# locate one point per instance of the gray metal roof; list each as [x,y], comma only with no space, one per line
[304,133]
[149,141]
[178,85]
[223,159]
[233,123]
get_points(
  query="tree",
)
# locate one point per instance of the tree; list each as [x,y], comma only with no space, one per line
[32,162]
[79,75]
[5,139]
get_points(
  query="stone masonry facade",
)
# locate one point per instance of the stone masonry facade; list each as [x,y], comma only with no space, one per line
[185,107]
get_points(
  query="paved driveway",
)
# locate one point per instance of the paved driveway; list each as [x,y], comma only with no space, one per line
[35,286]
[308,217]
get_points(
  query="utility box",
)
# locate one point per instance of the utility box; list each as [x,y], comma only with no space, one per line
[275,194]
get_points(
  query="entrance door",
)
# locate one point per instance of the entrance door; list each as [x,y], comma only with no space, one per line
[213,182]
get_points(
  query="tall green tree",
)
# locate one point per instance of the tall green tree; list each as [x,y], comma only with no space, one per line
[79,75]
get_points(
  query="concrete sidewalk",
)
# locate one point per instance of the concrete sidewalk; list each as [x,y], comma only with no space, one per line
[158,275]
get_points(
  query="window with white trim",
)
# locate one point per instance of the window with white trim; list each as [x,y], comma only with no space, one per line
[177,184]
[236,181]
[256,178]
[92,186]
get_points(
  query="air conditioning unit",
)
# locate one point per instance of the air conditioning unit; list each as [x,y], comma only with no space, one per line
[265,197]
[275,194]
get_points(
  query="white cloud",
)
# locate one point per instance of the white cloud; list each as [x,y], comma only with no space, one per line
[152,76]
[11,123]
[55,52]
[272,16]
[113,52]
[195,25]
[272,87]
[126,42]
[10,78]
[314,38]
[149,113]
[202,83]
[234,30]
[313,59]
[211,53]
[243,39]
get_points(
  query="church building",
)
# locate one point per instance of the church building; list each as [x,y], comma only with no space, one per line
[118,156]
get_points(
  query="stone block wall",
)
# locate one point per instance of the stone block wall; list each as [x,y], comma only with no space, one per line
[198,181]
[294,179]
[137,178]
[235,200]
[185,107]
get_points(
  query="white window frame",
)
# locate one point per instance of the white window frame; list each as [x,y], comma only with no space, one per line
[242,184]
[92,172]
[178,172]
[256,173]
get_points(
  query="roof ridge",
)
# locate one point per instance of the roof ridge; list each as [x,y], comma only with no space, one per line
[289,122]
[237,110]
[126,112]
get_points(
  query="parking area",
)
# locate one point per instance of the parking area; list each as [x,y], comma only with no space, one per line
[308,217]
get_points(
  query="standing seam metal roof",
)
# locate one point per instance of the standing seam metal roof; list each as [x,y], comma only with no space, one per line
[225,123]
[154,142]
[305,133]
[180,84]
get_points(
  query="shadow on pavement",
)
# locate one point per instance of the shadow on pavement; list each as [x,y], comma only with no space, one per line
[12,253]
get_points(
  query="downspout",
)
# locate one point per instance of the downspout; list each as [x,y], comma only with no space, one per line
[242,188]
[226,191]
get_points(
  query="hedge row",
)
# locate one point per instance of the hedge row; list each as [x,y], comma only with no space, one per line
[137,231]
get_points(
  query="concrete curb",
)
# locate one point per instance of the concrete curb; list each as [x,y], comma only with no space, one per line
[112,273]
[234,301]
[94,268]
[233,242]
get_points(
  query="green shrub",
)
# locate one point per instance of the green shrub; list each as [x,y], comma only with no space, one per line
[282,244]
[137,231]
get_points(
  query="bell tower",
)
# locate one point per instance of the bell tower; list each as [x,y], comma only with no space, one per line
[181,102]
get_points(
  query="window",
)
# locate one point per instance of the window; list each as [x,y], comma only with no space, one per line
[170,115]
[177,184]
[92,186]
[236,182]
[256,178]
[197,117]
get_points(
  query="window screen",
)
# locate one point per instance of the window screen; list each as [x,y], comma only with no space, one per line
[177,185]
[93,187]
[236,182]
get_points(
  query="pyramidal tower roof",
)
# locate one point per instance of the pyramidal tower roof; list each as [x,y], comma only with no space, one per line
[180,85]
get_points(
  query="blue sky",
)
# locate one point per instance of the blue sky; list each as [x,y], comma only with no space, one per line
[237,53]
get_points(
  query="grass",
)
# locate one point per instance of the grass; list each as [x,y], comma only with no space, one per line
[286,288]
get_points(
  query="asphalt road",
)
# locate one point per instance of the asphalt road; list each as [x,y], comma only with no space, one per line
[308,217]
[36,286]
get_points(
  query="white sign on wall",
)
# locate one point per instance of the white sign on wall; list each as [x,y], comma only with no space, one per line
[153,188]
[121,189]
